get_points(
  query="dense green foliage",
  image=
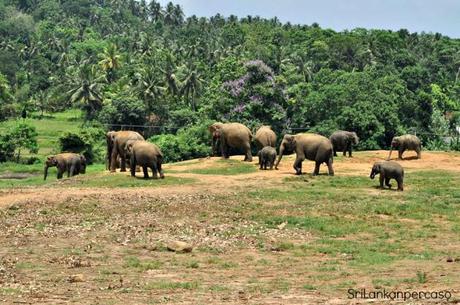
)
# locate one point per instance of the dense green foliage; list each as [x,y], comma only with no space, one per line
[135,62]
[86,141]
[18,137]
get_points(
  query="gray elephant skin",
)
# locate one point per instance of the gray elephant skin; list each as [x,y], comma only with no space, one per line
[267,157]
[233,135]
[71,163]
[406,142]
[265,136]
[146,155]
[116,142]
[388,170]
[215,137]
[343,141]
[313,147]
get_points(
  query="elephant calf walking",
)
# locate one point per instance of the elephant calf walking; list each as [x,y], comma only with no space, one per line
[406,142]
[267,157]
[388,170]
[146,155]
[343,141]
[71,163]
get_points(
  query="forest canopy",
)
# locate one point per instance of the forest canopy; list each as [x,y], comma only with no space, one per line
[140,63]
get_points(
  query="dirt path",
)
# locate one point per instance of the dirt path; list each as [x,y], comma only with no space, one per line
[360,164]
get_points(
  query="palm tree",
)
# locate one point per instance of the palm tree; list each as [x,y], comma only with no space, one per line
[149,88]
[191,87]
[87,92]
[155,11]
[110,61]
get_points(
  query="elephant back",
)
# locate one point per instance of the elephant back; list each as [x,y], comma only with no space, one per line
[265,136]
[236,132]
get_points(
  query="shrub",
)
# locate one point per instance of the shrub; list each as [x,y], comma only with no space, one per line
[189,143]
[20,136]
[88,141]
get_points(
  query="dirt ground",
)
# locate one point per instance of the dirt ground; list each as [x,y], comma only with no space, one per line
[64,245]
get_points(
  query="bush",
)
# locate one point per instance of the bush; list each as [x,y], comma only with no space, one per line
[124,110]
[89,142]
[20,136]
[189,143]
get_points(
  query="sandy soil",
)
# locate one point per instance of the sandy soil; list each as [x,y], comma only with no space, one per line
[64,245]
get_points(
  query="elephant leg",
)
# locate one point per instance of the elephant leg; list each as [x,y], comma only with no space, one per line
[349,151]
[335,153]
[387,182]
[419,153]
[400,184]
[113,161]
[155,170]
[248,156]
[298,165]
[60,173]
[345,152]
[123,163]
[382,178]
[160,170]
[132,166]
[72,170]
[316,170]
[400,153]
[330,169]
[146,172]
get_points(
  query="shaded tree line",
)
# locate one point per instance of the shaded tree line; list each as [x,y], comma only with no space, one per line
[137,62]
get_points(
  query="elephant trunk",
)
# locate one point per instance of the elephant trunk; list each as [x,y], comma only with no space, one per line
[45,172]
[389,155]
[372,176]
[280,155]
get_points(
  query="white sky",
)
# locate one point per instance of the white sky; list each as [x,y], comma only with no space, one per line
[441,16]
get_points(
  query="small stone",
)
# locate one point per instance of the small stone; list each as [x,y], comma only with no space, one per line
[179,246]
[282,225]
[450,259]
[76,278]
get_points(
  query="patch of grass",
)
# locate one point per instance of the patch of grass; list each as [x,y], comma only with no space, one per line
[166,285]
[308,287]
[224,167]
[421,277]
[193,264]
[9,291]
[95,177]
[141,265]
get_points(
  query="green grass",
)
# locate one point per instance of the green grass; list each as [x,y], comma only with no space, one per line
[350,217]
[141,265]
[50,128]
[96,176]
[223,167]
[167,285]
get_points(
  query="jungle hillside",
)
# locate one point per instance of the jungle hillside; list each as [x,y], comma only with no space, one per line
[148,66]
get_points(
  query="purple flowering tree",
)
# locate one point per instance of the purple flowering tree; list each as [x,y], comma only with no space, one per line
[255,98]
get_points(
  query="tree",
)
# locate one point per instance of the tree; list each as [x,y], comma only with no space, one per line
[20,136]
[87,92]
[110,61]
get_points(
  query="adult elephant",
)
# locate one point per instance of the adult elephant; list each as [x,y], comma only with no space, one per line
[146,155]
[71,163]
[307,146]
[343,141]
[265,136]
[233,135]
[215,136]
[116,142]
[406,142]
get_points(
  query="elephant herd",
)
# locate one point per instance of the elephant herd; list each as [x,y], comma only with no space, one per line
[130,148]
[308,146]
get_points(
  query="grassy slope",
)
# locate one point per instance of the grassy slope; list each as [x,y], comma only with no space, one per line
[50,128]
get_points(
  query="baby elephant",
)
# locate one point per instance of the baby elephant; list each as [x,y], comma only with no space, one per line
[146,155]
[71,163]
[388,170]
[267,157]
